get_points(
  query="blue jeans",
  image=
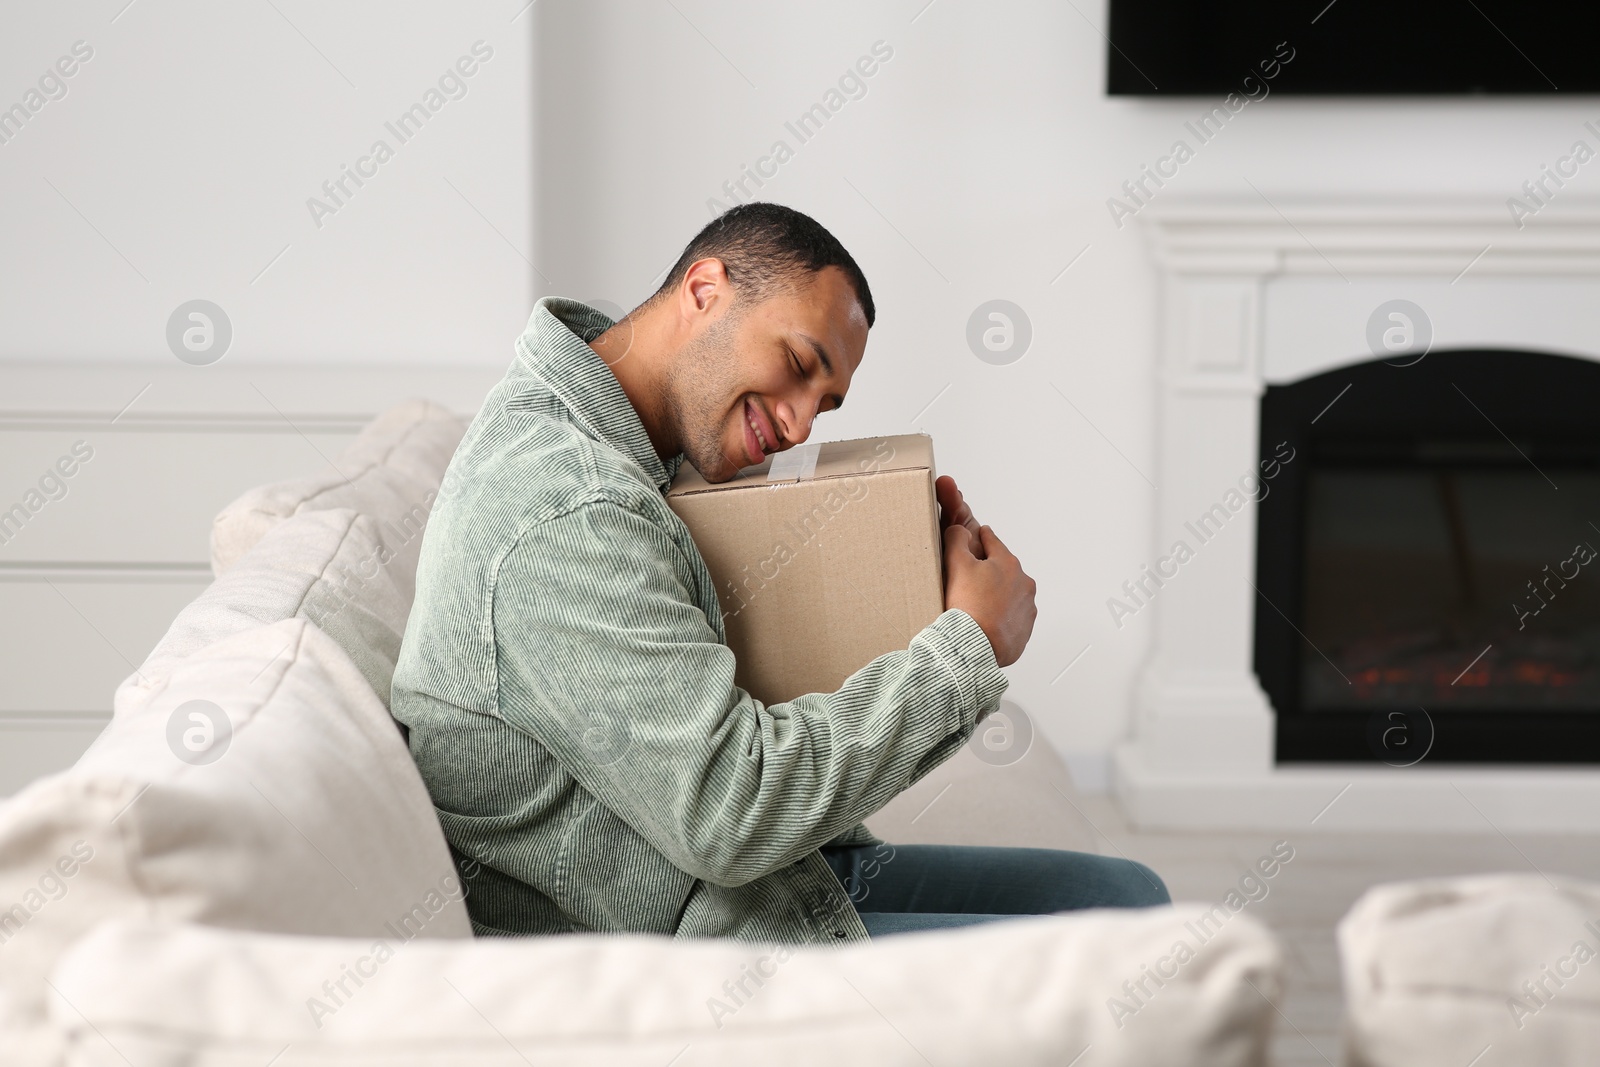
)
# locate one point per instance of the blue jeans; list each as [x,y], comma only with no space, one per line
[901,888]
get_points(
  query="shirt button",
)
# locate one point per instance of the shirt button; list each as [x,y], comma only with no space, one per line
[838,933]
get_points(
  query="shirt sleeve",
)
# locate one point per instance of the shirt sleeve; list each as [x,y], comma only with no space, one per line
[605,657]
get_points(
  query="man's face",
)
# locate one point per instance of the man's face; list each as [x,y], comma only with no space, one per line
[756,376]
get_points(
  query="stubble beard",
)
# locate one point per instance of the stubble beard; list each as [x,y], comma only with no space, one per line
[703,378]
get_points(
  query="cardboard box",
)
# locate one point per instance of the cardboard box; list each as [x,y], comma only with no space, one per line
[825,557]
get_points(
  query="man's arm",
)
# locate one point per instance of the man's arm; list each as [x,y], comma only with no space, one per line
[605,658]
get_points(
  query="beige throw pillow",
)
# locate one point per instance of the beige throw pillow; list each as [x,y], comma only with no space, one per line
[331,567]
[390,472]
[1499,970]
[263,787]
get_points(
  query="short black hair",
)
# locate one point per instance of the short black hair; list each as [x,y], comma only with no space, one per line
[764,246]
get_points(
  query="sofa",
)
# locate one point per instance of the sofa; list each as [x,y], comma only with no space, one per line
[245,868]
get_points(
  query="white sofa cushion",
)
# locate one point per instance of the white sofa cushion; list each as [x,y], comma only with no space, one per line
[1024,991]
[1434,973]
[310,819]
[331,567]
[391,472]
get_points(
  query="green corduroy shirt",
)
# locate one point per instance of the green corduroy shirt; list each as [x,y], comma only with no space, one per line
[569,691]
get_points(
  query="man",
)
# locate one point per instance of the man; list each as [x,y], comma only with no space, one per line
[565,677]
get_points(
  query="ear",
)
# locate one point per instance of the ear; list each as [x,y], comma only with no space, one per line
[705,288]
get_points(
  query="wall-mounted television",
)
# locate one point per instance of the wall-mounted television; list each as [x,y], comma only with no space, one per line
[1310,47]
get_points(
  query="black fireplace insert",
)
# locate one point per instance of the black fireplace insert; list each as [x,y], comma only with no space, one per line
[1428,577]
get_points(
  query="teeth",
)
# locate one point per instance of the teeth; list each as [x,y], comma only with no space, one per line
[759,436]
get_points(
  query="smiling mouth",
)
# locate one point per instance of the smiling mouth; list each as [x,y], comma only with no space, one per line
[755,441]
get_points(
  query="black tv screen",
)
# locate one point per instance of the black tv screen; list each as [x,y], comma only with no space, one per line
[1256,47]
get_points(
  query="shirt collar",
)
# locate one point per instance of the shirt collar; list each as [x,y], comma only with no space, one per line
[555,348]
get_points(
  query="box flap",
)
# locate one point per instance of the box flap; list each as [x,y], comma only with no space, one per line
[826,459]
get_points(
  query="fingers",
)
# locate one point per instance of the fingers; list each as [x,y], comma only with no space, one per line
[965,539]
[958,540]
[992,546]
[949,499]
[953,508]
[955,513]
[972,527]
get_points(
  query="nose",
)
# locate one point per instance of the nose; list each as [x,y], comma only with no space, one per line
[796,425]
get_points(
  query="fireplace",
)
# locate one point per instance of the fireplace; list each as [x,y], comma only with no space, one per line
[1414,515]
[1425,567]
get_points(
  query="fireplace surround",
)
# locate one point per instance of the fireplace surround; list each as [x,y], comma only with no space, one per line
[1258,295]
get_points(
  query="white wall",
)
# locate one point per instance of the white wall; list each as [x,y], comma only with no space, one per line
[977,166]
[184,153]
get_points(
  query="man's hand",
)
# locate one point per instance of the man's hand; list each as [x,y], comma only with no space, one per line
[983,578]
[953,511]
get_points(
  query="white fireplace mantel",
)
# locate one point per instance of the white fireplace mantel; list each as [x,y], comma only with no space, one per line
[1201,754]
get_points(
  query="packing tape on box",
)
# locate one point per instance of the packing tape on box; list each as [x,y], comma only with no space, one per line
[799,463]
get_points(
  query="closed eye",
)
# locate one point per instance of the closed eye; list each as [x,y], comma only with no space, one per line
[804,374]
